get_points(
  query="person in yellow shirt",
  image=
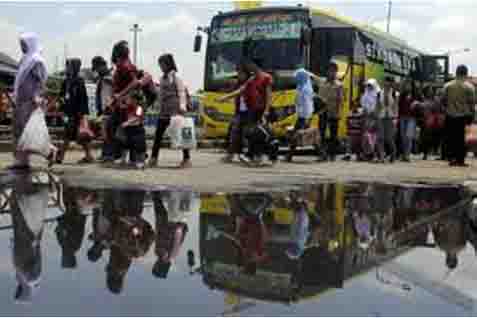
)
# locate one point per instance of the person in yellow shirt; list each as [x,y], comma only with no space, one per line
[459,103]
[331,93]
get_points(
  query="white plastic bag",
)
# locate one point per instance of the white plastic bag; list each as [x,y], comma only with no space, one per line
[181,130]
[35,137]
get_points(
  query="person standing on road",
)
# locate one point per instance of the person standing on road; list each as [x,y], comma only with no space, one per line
[407,122]
[125,81]
[429,136]
[331,93]
[370,102]
[173,101]
[303,105]
[387,112]
[459,102]
[73,92]
[104,91]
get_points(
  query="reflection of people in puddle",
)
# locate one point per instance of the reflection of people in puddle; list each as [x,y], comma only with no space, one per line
[325,233]
[120,227]
[450,237]
[171,229]
[71,226]
[362,225]
[299,228]
[251,233]
[29,204]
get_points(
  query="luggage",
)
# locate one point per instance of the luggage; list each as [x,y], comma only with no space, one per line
[305,137]
[261,142]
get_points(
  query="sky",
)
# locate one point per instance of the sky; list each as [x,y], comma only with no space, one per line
[88,28]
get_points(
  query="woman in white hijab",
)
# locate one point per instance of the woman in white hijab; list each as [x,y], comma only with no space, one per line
[370,103]
[29,85]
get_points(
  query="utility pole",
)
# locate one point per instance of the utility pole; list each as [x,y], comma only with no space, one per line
[65,55]
[57,64]
[135,29]
[390,5]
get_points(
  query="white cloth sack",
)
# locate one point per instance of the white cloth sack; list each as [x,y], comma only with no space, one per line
[181,204]
[181,130]
[35,137]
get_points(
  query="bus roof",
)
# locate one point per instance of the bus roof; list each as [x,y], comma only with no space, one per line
[262,10]
[368,29]
[331,14]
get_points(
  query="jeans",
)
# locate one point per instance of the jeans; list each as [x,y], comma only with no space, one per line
[161,126]
[408,134]
[237,133]
[136,143]
[386,136]
[327,121]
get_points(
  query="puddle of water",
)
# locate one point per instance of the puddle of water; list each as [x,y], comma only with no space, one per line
[78,251]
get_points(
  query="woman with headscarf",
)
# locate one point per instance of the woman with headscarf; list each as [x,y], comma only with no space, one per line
[73,91]
[303,104]
[387,112]
[304,99]
[29,86]
[370,102]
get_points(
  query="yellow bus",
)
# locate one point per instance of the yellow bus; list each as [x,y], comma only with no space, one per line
[286,38]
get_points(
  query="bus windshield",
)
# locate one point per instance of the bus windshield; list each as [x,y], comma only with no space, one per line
[274,38]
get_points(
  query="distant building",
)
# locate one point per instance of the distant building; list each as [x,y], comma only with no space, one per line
[8,69]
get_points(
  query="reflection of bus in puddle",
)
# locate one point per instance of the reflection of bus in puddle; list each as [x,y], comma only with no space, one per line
[334,249]
[277,276]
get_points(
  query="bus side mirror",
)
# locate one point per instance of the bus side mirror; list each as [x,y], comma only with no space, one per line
[197,43]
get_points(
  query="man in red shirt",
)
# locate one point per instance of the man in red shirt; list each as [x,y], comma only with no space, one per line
[257,95]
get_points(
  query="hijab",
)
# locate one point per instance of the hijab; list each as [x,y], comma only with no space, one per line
[304,93]
[29,59]
[369,100]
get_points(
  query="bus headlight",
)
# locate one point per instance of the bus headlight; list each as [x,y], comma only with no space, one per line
[215,115]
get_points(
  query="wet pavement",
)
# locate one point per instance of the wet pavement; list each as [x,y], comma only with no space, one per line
[334,249]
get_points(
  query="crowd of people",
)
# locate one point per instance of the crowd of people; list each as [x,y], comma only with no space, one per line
[118,97]
[383,125]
